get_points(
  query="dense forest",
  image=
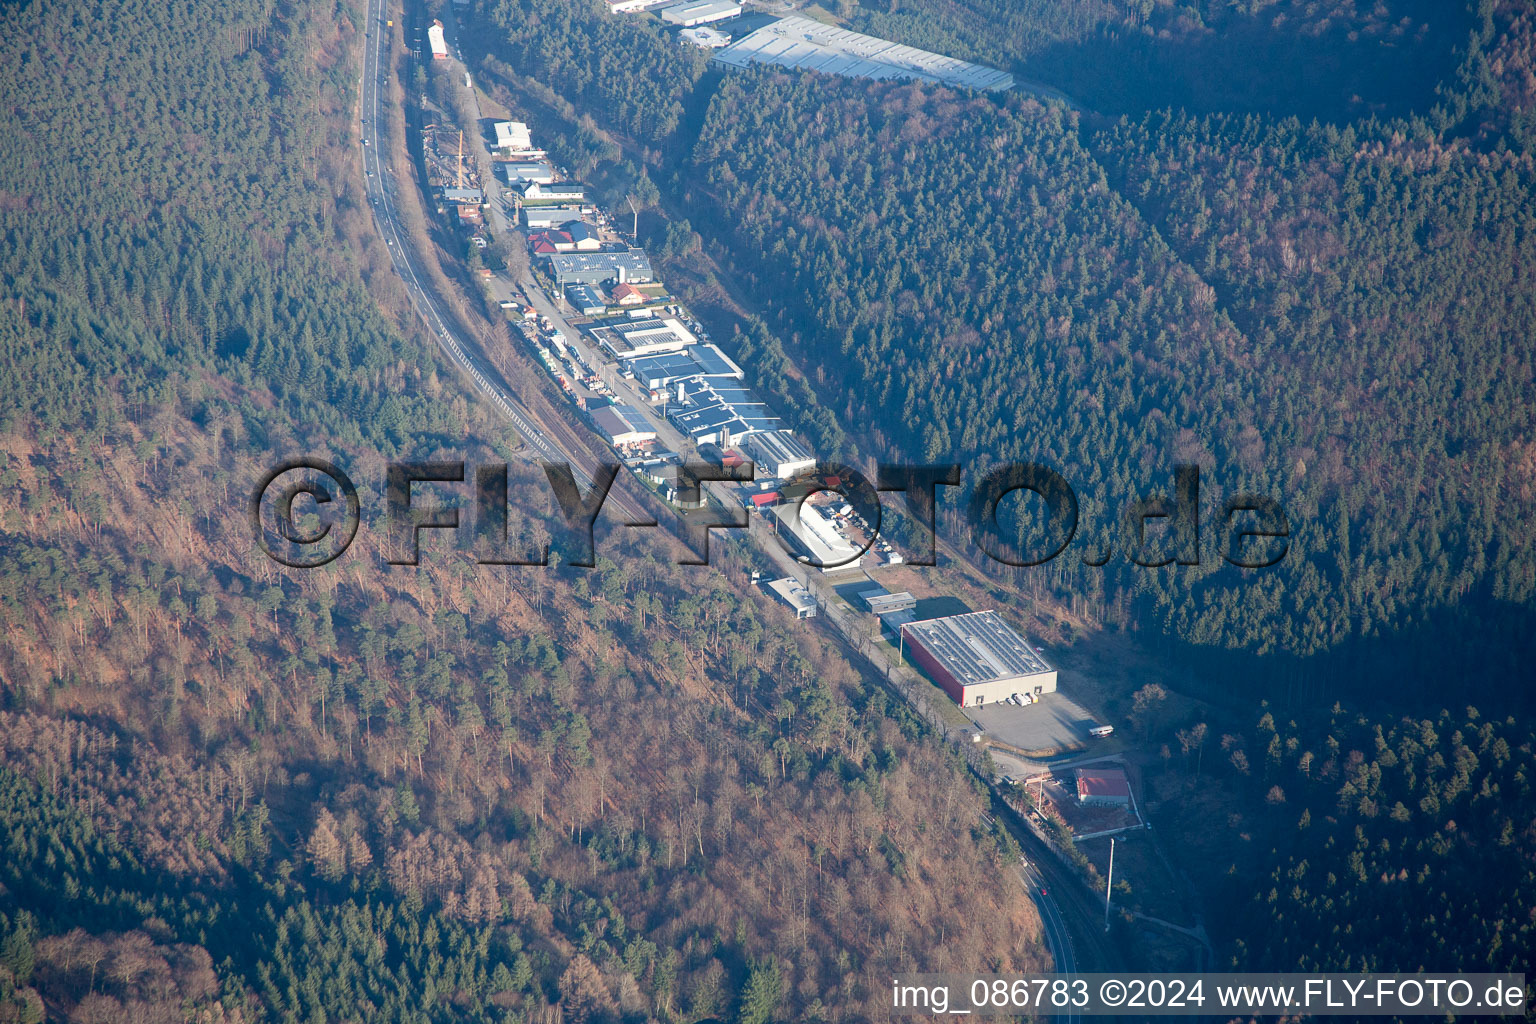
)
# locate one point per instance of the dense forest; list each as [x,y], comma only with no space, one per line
[1348,842]
[230,792]
[633,76]
[183,226]
[963,276]
[1334,59]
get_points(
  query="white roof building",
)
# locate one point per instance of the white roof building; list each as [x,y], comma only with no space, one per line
[780,453]
[518,172]
[700,12]
[796,42]
[537,217]
[632,338]
[810,534]
[796,596]
[513,136]
[437,42]
[708,38]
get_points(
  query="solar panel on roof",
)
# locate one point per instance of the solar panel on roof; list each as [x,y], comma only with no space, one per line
[978,647]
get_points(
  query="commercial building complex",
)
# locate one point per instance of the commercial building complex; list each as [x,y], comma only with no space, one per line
[977,658]
[695,362]
[628,339]
[720,411]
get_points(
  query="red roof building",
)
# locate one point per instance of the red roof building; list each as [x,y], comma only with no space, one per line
[546,242]
[1105,786]
[626,294]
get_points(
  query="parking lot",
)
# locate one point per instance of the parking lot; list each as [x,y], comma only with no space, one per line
[1053,724]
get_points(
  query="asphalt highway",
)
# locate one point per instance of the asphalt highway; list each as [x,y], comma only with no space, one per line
[381,195]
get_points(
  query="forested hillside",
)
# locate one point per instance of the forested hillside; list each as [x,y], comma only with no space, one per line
[230,792]
[1396,276]
[963,276]
[168,212]
[1352,843]
[632,76]
[1333,59]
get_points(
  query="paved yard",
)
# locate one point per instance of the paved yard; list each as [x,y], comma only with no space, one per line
[1053,723]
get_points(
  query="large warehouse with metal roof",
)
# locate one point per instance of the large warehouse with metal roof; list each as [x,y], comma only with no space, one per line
[796,42]
[978,658]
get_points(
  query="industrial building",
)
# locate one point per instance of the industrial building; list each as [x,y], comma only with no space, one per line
[628,6]
[642,337]
[537,217]
[1103,787]
[977,658]
[708,38]
[797,42]
[520,172]
[780,453]
[512,136]
[719,410]
[585,299]
[888,604]
[622,424]
[796,596]
[597,267]
[560,191]
[696,362]
[437,42]
[811,535]
[700,12]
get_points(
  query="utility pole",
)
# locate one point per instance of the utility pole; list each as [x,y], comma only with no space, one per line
[634,231]
[1109,881]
